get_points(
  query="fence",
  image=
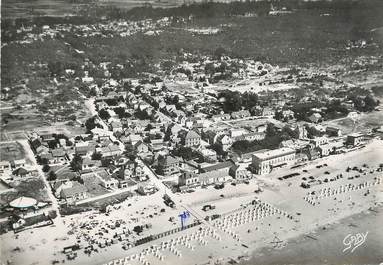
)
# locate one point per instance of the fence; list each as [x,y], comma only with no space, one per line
[166,233]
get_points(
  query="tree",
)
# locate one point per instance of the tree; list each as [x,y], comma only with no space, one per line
[370,103]
[218,149]
[250,100]
[120,111]
[232,101]
[90,124]
[219,52]
[184,152]
[104,114]
[46,168]
[149,127]
[271,130]
[52,176]
[96,156]
[76,162]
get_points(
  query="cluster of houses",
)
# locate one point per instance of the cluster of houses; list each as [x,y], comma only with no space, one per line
[17,168]
[86,165]
[264,161]
[107,29]
[173,126]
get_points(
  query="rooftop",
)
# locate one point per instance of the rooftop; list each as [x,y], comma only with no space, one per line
[269,154]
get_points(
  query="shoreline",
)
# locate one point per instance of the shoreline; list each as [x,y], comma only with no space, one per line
[295,250]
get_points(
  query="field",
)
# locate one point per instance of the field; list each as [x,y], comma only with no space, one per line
[12,151]
[364,123]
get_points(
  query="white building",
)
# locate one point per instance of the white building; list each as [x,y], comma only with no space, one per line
[264,162]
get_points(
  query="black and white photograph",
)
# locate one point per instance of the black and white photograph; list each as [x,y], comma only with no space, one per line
[191,132]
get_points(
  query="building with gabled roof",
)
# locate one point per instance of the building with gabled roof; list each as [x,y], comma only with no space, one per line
[192,139]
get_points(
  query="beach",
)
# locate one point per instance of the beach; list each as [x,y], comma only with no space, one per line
[327,247]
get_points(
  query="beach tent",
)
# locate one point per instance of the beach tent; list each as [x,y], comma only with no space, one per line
[23,202]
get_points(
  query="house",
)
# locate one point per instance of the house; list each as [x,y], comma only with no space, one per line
[247,157]
[354,139]
[318,141]
[141,147]
[213,177]
[239,171]
[125,183]
[225,141]
[301,157]
[315,117]
[300,132]
[237,132]
[89,164]
[157,145]
[189,179]
[219,166]
[134,138]
[21,172]
[106,180]
[287,114]
[333,131]
[18,163]
[127,171]
[192,139]
[84,148]
[168,165]
[73,192]
[116,126]
[267,112]
[5,165]
[264,162]
[220,117]
[59,156]
[326,149]
[47,158]
[208,154]
[261,128]
[146,189]
[254,136]
[140,174]
[240,114]
[110,151]
[312,153]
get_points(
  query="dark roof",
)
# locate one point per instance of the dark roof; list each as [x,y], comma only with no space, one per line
[189,175]
[169,160]
[218,166]
[20,171]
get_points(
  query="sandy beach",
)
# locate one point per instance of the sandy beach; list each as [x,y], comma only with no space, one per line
[327,247]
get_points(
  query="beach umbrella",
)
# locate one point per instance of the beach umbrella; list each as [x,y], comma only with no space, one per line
[23,202]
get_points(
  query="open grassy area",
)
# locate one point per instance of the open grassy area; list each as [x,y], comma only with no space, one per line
[33,188]
[11,151]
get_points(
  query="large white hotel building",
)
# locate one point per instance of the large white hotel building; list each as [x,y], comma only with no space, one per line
[265,160]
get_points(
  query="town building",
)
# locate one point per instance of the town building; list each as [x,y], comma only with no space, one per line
[315,117]
[73,192]
[192,139]
[188,179]
[354,139]
[333,131]
[213,177]
[239,172]
[264,162]
[168,165]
